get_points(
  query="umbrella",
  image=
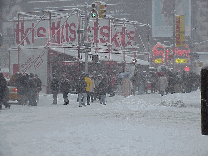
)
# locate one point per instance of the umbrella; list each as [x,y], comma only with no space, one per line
[124,75]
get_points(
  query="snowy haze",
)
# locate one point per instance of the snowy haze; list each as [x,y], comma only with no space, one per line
[143,125]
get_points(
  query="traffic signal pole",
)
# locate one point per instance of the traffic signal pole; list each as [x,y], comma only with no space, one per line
[174,37]
[85,39]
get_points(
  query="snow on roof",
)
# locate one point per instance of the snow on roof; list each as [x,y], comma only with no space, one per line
[102,56]
[202,53]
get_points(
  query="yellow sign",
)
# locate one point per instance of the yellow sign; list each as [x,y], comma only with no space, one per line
[180,31]
[158,60]
[180,61]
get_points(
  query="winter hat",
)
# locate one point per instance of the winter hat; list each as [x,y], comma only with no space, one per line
[1,75]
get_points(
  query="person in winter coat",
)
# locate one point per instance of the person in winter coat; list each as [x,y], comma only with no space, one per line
[141,83]
[126,87]
[153,80]
[163,83]
[54,86]
[92,90]
[32,93]
[134,84]
[3,90]
[39,83]
[81,90]
[102,90]
[65,89]
[89,84]
[97,82]
[21,82]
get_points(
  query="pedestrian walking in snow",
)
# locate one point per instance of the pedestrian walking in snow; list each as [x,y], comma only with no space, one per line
[103,90]
[39,83]
[54,86]
[97,82]
[92,90]
[32,93]
[163,83]
[81,90]
[21,82]
[65,89]
[126,87]
[134,84]
[89,84]
[3,91]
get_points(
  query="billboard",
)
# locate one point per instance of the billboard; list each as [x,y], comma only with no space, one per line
[66,33]
[119,35]
[162,16]
[34,60]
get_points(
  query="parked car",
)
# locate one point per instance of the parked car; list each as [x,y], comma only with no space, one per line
[12,95]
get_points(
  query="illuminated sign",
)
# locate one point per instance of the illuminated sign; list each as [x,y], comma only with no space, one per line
[158,60]
[187,68]
[180,61]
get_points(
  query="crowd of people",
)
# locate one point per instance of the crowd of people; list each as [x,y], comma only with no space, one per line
[28,86]
[165,82]
[90,88]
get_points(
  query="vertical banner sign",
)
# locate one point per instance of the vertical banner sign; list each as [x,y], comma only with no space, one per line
[180,31]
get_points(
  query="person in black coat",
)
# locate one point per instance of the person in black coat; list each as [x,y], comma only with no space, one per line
[103,90]
[54,86]
[22,88]
[81,90]
[39,83]
[32,93]
[3,90]
[65,88]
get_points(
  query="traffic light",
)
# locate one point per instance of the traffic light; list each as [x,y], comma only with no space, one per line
[102,10]
[94,10]
[1,39]
[134,61]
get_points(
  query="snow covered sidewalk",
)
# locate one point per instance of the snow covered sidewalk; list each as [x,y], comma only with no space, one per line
[148,125]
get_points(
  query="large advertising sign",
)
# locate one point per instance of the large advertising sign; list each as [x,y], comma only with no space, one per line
[120,36]
[66,33]
[34,60]
[162,16]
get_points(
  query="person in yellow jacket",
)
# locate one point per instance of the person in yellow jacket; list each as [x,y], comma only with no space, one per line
[89,84]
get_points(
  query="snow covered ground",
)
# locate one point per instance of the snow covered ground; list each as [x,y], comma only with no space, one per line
[143,125]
